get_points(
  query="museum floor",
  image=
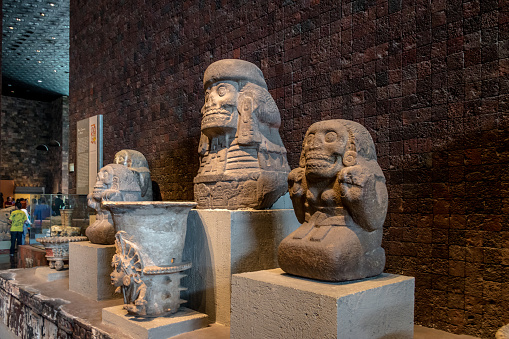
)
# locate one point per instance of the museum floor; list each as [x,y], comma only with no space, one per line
[94,311]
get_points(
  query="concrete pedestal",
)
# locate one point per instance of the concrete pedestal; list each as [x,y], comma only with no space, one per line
[273,304]
[184,321]
[220,243]
[48,274]
[90,269]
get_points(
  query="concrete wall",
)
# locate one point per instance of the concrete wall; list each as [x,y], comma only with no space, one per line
[429,80]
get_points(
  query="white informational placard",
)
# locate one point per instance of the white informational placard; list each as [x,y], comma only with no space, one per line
[89,153]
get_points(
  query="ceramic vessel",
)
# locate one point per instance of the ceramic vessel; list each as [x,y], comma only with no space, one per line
[57,249]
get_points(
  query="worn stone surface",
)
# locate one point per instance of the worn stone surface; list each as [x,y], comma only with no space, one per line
[49,274]
[184,321]
[271,304]
[148,260]
[137,162]
[221,243]
[503,332]
[243,160]
[91,277]
[114,183]
[339,195]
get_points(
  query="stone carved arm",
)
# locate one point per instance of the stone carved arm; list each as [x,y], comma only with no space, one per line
[297,192]
[364,194]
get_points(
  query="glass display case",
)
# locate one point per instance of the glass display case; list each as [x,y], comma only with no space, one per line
[48,210]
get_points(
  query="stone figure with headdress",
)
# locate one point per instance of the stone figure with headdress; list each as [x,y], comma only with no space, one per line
[114,183]
[138,164]
[242,158]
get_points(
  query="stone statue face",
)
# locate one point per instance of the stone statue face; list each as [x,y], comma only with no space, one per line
[122,158]
[323,149]
[219,113]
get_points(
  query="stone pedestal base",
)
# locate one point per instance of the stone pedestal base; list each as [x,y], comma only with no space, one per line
[184,321]
[49,274]
[220,243]
[90,269]
[273,304]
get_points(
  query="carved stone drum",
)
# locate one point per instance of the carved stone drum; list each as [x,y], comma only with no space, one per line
[148,262]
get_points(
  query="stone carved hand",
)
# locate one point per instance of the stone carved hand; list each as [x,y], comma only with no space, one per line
[297,192]
[364,194]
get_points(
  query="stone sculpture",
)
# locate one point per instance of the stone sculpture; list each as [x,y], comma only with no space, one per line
[242,158]
[138,164]
[339,195]
[148,260]
[114,183]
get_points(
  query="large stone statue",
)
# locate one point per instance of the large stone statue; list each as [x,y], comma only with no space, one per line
[114,183]
[339,195]
[137,162]
[243,160]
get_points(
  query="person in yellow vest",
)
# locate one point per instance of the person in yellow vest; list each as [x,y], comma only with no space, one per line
[16,220]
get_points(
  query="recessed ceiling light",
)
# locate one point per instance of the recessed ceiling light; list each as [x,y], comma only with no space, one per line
[18,19]
[55,70]
[42,14]
[37,50]
[39,61]
[53,38]
[10,27]
[39,80]
[51,4]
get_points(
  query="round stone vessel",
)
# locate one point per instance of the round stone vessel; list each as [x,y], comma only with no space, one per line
[150,240]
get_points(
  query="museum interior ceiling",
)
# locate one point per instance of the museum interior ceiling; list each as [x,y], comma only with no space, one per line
[35,49]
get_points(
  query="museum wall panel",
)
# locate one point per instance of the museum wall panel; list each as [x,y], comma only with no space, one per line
[428,79]
[25,125]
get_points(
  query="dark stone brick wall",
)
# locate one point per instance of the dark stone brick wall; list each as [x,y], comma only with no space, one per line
[26,124]
[429,79]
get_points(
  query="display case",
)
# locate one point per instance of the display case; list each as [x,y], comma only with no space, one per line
[48,210]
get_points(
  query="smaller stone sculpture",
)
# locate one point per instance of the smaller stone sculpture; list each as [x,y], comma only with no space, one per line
[242,158]
[339,195]
[148,262]
[114,183]
[137,163]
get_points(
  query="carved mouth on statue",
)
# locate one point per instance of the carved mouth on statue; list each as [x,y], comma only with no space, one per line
[319,160]
[216,115]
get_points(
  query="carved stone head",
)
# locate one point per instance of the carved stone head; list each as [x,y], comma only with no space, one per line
[137,162]
[114,183]
[240,137]
[339,195]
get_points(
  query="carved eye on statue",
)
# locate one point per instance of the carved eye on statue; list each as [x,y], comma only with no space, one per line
[221,90]
[310,139]
[331,137]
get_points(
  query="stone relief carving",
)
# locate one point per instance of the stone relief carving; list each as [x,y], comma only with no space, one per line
[339,195]
[137,162]
[242,158]
[114,183]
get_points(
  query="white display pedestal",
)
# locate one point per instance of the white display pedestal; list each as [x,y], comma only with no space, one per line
[273,304]
[185,320]
[90,269]
[220,243]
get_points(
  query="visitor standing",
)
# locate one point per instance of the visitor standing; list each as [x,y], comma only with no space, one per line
[16,220]
[26,227]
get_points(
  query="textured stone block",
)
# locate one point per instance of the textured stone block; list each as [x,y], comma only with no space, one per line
[184,321]
[220,243]
[89,270]
[272,304]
